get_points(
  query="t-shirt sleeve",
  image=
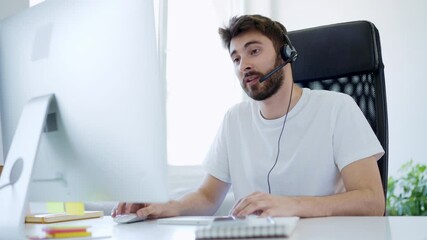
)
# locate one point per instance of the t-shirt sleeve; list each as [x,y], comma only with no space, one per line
[353,137]
[216,160]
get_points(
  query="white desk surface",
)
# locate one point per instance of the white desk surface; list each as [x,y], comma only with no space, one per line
[347,228]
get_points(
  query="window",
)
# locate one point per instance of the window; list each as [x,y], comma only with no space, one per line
[201,84]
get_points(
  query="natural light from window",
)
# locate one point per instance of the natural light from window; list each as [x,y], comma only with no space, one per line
[201,84]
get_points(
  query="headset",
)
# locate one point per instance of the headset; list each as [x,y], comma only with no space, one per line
[288,53]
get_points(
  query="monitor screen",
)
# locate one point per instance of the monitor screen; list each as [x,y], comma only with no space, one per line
[99,60]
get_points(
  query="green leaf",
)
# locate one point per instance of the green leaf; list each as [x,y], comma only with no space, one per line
[407,193]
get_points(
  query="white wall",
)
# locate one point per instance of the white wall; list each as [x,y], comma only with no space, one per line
[403,34]
[9,7]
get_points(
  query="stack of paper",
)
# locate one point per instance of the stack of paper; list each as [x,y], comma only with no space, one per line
[66,231]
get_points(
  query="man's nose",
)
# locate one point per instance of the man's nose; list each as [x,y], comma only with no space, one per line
[245,66]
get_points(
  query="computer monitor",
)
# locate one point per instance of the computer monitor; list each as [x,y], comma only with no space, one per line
[90,70]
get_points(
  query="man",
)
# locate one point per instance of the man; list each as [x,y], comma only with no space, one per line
[291,151]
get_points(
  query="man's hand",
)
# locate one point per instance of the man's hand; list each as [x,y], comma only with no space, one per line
[264,204]
[126,208]
[363,197]
[148,210]
[204,201]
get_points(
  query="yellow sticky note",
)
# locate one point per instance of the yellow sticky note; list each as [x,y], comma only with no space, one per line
[55,207]
[75,208]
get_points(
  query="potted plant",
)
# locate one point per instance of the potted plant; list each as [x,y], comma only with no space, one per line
[407,194]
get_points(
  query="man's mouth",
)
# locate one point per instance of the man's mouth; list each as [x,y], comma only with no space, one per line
[251,79]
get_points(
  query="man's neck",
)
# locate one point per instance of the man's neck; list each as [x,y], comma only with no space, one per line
[276,106]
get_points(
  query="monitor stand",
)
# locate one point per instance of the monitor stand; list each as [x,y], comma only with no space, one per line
[19,166]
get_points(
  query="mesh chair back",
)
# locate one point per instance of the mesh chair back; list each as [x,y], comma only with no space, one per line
[346,58]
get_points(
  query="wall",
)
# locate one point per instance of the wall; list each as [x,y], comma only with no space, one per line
[403,34]
[9,7]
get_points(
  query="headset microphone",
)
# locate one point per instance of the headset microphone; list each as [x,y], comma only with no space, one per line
[268,75]
[288,54]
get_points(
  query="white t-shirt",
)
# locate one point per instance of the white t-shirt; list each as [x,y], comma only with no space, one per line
[324,132]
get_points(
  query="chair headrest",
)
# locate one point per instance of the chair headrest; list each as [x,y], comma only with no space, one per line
[337,50]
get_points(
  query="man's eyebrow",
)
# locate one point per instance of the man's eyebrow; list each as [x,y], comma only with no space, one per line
[246,45]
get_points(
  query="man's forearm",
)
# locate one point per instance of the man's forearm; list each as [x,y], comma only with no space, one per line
[205,200]
[195,203]
[352,203]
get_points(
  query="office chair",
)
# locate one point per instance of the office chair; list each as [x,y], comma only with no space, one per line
[346,57]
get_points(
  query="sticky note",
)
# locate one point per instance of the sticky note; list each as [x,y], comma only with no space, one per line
[74,208]
[55,207]
[64,229]
[69,235]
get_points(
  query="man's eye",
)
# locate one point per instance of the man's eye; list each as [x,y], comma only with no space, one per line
[236,60]
[255,51]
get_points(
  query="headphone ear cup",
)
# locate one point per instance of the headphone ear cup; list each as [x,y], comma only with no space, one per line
[287,53]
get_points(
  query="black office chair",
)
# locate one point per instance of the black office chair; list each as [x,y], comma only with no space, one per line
[346,57]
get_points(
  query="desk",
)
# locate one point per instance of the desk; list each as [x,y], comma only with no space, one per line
[330,228]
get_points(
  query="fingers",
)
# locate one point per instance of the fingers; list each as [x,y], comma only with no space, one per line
[117,210]
[248,207]
[233,209]
[126,208]
[149,211]
[132,207]
[264,205]
[153,211]
[252,204]
[157,210]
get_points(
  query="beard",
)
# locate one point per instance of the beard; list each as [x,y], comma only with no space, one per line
[268,88]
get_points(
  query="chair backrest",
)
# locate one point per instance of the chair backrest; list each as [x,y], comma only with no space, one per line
[346,57]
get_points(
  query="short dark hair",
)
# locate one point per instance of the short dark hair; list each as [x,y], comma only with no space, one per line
[272,29]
